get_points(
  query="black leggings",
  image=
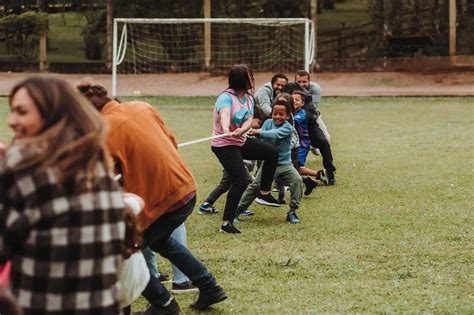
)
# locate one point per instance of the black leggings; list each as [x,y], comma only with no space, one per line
[231,157]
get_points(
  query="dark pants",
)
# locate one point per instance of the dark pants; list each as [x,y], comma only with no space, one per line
[318,140]
[224,186]
[157,237]
[231,157]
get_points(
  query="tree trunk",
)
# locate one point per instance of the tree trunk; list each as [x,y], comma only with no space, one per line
[396,14]
[110,25]
[376,43]
[320,6]
[415,23]
[43,49]
[435,14]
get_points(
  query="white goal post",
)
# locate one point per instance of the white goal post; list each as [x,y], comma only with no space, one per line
[213,45]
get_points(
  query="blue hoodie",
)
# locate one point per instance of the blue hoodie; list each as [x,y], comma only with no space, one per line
[279,137]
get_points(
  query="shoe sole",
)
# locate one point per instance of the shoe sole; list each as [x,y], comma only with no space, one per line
[222,231]
[207,212]
[247,214]
[185,291]
[263,202]
[166,281]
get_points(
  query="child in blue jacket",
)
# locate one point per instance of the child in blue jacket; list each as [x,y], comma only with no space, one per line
[277,131]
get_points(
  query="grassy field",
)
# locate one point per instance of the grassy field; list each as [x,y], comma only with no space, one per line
[395,235]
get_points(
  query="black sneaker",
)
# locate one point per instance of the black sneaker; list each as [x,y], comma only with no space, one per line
[209,297]
[267,200]
[292,217]
[229,228]
[171,309]
[309,184]
[331,179]
[322,176]
[186,287]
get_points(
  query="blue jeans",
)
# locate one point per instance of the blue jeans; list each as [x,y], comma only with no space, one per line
[158,238]
[150,258]
[178,234]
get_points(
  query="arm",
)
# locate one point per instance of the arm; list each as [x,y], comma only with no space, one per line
[299,117]
[315,91]
[15,222]
[278,133]
[245,127]
[224,114]
[264,99]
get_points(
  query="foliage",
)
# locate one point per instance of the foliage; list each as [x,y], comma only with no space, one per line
[17,6]
[65,42]
[220,8]
[22,32]
[94,33]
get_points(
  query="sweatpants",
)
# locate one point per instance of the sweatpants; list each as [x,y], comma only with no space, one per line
[286,174]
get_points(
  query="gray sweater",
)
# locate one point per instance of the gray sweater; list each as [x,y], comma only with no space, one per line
[264,98]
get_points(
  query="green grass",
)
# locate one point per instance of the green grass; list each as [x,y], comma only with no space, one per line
[393,236]
[66,42]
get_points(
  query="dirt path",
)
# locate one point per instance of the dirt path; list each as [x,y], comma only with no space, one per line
[332,84]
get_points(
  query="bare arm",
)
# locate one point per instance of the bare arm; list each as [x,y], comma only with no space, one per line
[245,127]
[224,114]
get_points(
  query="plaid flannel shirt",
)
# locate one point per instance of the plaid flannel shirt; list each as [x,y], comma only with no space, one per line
[65,247]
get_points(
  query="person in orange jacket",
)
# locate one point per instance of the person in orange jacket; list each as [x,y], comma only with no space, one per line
[145,153]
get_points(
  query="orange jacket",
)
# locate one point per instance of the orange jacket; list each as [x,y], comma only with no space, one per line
[146,150]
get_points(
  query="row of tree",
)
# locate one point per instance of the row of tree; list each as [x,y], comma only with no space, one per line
[177,8]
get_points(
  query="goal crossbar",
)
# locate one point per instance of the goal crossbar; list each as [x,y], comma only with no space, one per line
[217,20]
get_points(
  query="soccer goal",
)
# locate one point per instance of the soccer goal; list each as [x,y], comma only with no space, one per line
[195,45]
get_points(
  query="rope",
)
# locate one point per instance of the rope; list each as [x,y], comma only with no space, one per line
[202,140]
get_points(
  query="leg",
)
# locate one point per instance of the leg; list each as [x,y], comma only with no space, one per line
[288,175]
[318,140]
[158,236]
[231,159]
[281,191]
[250,193]
[323,127]
[255,149]
[220,189]
[150,259]
[182,258]
[302,155]
[179,234]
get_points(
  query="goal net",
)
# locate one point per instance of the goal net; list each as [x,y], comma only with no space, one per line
[213,45]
